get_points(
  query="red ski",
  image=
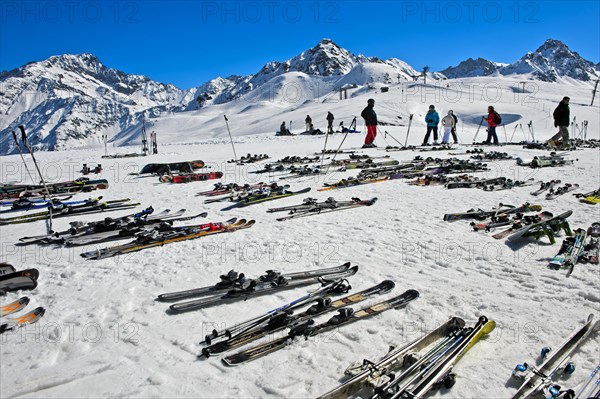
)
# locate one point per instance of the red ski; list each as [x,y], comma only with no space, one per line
[197,177]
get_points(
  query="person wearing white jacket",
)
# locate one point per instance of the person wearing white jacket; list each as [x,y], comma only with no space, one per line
[449,123]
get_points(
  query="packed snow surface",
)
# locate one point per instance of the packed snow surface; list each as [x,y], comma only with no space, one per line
[104,335]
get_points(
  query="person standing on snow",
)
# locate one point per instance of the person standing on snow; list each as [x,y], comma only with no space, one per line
[330,119]
[493,119]
[449,123]
[370,118]
[432,119]
[453,130]
[562,116]
[308,122]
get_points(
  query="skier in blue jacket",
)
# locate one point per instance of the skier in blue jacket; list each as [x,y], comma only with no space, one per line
[433,119]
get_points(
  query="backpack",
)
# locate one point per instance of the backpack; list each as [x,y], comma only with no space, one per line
[497,118]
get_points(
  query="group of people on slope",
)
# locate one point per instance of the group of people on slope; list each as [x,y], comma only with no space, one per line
[450,121]
[432,119]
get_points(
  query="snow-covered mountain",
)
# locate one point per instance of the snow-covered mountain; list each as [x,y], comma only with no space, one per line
[551,60]
[326,63]
[71,100]
[471,68]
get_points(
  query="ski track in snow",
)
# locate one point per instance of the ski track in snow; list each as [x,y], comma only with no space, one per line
[105,335]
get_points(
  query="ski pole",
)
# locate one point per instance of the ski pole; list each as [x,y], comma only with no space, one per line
[144,137]
[387,134]
[479,127]
[230,138]
[410,118]
[22,158]
[505,136]
[324,147]
[28,146]
[105,139]
[530,126]
[336,152]
[514,131]
[525,136]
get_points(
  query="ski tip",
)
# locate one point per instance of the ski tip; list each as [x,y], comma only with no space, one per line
[386,286]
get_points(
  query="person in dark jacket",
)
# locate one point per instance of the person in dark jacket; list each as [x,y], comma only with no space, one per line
[432,119]
[492,123]
[562,118]
[283,130]
[370,118]
[308,122]
[330,119]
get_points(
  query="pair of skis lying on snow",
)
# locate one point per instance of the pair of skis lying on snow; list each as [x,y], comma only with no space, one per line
[234,287]
[540,381]
[519,228]
[13,323]
[310,207]
[12,280]
[157,238]
[110,229]
[64,210]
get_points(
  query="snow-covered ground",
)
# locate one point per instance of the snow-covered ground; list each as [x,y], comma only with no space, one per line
[105,335]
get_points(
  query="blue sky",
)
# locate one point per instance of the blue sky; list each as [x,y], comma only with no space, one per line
[187,42]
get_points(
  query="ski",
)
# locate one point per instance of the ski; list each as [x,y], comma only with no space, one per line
[34,200]
[25,206]
[84,209]
[80,185]
[363,373]
[280,320]
[123,231]
[308,328]
[523,224]
[440,372]
[509,184]
[236,280]
[478,183]
[191,177]
[21,321]
[586,389]
[544,186]
[31,273]
[576,250]
[78,227]
[14,307]
[17,283]
[536,379]
[5,268]
[543,222]
[255,288]
[501,211]
[328,288]
[248,192]
[156,238]
[326,207]
[259,198]
[352,182]
[552,194]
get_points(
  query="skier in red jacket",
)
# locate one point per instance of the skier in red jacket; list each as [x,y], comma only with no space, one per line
[493,120]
